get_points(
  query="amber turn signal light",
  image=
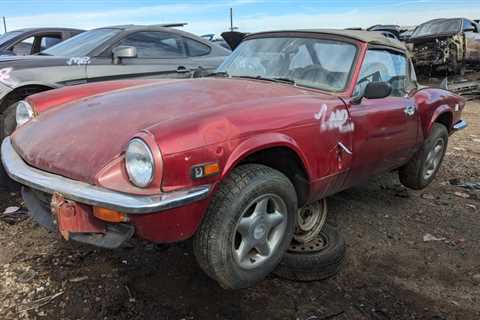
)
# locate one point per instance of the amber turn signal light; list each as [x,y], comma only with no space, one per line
[109,215]
[205,170]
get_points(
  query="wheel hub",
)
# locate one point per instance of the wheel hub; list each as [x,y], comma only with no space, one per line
[310,221]
[259,231]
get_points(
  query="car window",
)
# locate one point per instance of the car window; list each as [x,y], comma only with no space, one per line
[469,25]
[386,66]
[24,47]
[154,44]
[82,44]
[8,36]
[196,48]
[48,41]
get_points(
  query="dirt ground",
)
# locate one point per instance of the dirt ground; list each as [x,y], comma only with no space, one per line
[390,271]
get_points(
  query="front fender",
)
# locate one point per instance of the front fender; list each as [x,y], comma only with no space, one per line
[262,142]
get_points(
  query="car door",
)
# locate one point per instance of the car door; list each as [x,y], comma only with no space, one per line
[160,54]
[472,42]
[385,129]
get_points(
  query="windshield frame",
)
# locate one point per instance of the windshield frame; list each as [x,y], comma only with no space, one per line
[94,50]
[317,36]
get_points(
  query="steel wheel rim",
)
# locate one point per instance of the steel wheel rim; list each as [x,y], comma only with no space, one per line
[317,244]
[259,231]
[433,159]
[307,229]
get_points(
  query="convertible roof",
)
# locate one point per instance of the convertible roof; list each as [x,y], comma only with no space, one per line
[372,37]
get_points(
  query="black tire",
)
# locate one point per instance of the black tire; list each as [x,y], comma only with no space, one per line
[215,239]
[322,258]
[412,175]
[7,126]
[9,122]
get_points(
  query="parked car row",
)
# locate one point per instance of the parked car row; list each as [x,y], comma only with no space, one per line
[240,159]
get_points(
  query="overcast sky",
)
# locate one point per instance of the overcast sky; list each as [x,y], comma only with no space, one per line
[249,15]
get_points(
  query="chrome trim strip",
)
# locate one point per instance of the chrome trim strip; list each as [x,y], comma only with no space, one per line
[86,193]
[460,125]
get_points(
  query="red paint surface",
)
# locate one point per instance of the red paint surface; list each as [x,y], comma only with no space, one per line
[198,121]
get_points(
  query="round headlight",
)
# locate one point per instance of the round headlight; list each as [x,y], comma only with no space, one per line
[24,112]
[139,163]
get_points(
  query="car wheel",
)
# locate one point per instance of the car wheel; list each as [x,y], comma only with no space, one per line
[310,221]
[248,226]
[420,171]
[319,259]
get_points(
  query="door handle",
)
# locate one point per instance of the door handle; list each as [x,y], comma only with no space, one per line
[410,110]
[182,69]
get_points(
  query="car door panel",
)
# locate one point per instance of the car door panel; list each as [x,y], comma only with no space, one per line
[386,129]
[102,69]
[472,47]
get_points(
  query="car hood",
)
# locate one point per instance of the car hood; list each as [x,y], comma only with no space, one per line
[80,138]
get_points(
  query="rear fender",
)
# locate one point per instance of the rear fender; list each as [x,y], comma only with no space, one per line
[439,111]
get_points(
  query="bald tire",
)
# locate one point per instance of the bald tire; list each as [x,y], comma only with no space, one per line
[412,174]
[314,266]
[213,241]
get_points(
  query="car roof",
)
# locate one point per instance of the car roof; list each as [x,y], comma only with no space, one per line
[45,29]
[372,37]
[169,27]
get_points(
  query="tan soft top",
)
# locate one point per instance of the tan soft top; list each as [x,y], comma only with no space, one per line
[373,37]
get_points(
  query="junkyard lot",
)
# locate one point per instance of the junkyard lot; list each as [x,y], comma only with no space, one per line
[389,273]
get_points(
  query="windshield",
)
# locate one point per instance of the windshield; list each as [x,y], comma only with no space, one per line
[8,36]
[437,27]
[81,45]
[317,63]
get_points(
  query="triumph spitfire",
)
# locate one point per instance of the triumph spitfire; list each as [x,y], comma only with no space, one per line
[289,118]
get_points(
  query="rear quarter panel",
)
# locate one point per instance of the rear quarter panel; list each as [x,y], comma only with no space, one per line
[433,103]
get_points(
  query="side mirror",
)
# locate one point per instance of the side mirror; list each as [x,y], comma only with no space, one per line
[122,52]
[470,29]
[374,90]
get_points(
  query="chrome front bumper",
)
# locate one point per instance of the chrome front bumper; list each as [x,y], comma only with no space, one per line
[89,194]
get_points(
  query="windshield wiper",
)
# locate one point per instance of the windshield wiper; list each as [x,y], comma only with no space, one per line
[274,79]
[43,54]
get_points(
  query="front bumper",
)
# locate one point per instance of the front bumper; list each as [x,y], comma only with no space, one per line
[89,194]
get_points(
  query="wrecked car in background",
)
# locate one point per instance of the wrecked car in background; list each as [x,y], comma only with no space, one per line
[288,119]
[449,45]
[118,52]
[24,42]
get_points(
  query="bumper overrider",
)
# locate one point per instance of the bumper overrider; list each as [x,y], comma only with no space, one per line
[91,195]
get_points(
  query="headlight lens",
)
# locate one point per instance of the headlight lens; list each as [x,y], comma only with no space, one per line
[24,112]
[139,163]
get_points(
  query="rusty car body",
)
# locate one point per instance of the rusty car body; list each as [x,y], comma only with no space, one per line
[289,118]
[449,45]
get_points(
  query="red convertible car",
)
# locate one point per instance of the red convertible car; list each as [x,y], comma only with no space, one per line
[289,118]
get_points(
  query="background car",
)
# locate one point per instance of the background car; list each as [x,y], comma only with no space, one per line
[211,37]
[118,52]
[446,45]
[33,40]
